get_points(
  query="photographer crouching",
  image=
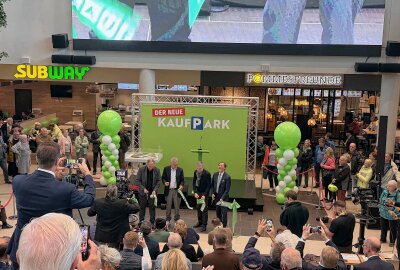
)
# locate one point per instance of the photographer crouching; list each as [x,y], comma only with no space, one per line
[341,229]
[40,193]
[112,217]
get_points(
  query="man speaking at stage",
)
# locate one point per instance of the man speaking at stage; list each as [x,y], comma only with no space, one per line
[221,184]
[41,192]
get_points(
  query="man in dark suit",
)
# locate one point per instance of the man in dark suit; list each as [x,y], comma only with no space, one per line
[148,179]
[153,246]
[173,179]
[201,189]
[40,193]
[372,246]
[330,257]
[112,217]
[221,184]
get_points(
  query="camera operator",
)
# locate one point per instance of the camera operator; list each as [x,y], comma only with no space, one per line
[295,215]
[40,193]
[341,228]
[330,257]
[112,217]
[386,213]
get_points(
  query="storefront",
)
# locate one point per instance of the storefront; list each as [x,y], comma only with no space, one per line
[318,103]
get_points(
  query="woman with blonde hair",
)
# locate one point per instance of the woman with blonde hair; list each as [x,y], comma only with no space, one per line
[174,259]
[365,174]
[328,168]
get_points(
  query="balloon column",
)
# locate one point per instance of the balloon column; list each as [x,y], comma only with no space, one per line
[109,124]
[287,136]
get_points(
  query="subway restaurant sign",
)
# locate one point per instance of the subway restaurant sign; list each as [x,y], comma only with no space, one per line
[294,80]
[51,72]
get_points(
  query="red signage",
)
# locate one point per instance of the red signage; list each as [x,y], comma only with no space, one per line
[164,112]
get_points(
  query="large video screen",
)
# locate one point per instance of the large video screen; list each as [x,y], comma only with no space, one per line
[237,21]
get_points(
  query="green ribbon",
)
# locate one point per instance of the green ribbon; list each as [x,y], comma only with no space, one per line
[133,199]
[234,206]
[203,204]
[184,199]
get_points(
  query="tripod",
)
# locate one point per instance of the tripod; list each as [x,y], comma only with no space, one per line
[364,220]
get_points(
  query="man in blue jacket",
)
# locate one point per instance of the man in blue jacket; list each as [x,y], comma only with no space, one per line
[319,156]
[41,192]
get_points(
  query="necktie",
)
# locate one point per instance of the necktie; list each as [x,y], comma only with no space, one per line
[219,181]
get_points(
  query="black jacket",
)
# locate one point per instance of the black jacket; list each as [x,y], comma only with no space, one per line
[141,179]
[348,141]
[267,262]
[294,217]
[130,260]
[166,177]
[112,219]
[224,186]
[309,266]
[342,176]
[189,251]
[205,183]
[374,263]
[305,157]
[153,246]
[356,162]
[95,140]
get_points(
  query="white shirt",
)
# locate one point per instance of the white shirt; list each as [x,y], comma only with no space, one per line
[47,171]
[219,179]
[288,239]
[172,184]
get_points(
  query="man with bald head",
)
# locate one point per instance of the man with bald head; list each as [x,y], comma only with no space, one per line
[291,259]
[372,246]
[174,242]
[356,163]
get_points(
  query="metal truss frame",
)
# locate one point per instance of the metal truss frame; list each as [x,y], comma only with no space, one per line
[251,102]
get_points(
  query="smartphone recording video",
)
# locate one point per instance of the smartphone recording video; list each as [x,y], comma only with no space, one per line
[84,242]
[71,163]
[269,225]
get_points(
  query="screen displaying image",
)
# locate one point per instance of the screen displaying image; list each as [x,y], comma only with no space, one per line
[358,22]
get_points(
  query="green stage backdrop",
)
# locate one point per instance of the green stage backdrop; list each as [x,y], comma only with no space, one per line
[177,129]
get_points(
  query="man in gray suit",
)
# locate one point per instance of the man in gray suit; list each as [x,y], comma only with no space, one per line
[221,184]
[148,179]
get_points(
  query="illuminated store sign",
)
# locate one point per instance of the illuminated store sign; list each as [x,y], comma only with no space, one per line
[291,80]
[51,72]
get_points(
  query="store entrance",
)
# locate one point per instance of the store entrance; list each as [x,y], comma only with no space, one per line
[23,101]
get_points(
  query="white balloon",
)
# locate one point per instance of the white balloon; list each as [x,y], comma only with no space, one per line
[288,154]
[280,167]
[292,173]
[282,184]
[107,139]
[296,189]
[107,164]
[115,152]
[112,170]
[294,167]
[287,179]
[282,161]
[103,181]
[104,158]
[277,189]
[111,147]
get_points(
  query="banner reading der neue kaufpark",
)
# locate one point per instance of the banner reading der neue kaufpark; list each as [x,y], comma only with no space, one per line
[177,130]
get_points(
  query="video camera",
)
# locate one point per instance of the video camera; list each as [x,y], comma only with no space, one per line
[363,195]
[122,184]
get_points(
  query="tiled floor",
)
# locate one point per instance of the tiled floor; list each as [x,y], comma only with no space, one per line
[246,226]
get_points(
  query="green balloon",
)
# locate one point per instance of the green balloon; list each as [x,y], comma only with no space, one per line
[286,189]
[103,168]
[103,146]
[280,177]
[109,122]
[287,135]
[107,175]
[296,152]
[294,178]
[280,198]
[293,161]
[26,131]
[116,139]
[117,146]
[291,184]
[288,168]
[278,153]
[112,180]
[282,173]
[115,163]
[45,124]
[111,158]
[107,153]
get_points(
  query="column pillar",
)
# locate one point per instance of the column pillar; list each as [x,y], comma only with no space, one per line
[147,81]
[389,102]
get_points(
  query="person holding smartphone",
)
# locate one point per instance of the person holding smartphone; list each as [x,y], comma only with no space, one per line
[40,193]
